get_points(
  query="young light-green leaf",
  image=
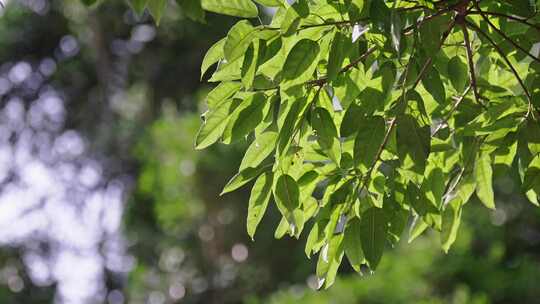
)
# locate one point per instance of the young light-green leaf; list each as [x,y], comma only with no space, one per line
[237,8]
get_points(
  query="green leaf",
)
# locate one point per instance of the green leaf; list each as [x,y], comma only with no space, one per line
[417,198]
[373,229]
[368,141]
[238,40]
[484,177]
[413,143]
[301,61]
[252,59]
[353,244]
[287,196]
[349,124]
[359,4]
[327,136]
[258,201]
[338,52]
[222,93]
[450,223]
[259,150]
[434,85]
[458,73]
[292,17]
[156,8]
[242,178]
[524,8]
[246,117]
[270,3]
[315,239]
[214,54]
[192,9]
[138,5]
[531,180]
[213,126]
[294,116]
[237,8]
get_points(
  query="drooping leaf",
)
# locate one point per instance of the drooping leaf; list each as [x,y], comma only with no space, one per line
[413,143]
[373,229]
[450,223]
[326,133]
[338,52]
[156,8]
[353,244]
[484,177]
[243,177]
[458,72]
[287,196]
[368,141]
[258,201]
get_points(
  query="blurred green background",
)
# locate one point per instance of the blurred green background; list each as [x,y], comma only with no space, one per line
[133,93]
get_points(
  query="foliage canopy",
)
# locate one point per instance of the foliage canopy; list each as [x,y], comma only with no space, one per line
[366,118]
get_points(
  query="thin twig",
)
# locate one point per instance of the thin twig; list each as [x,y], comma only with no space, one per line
[324,80]
[424,20]
[472,73]
[379,153]
[449,115]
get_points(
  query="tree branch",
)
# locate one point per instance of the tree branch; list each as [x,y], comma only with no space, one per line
[472,73]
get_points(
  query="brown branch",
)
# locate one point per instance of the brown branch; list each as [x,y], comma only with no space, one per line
[472,73]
